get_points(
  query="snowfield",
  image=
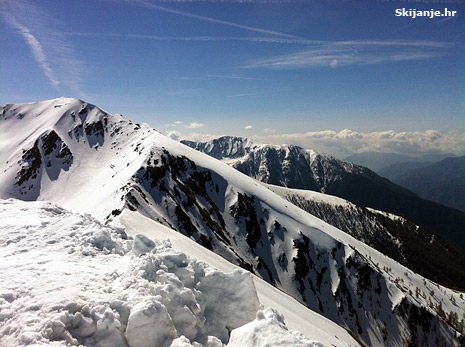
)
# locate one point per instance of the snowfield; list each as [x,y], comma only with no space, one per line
[69,280]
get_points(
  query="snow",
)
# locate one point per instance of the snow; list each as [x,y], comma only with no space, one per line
[149,322]
[66,279]
[268,329]
[73,279]
[297,316]
[308,194]
[99,165]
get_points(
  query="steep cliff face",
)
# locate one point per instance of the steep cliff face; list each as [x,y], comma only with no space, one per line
[288,165]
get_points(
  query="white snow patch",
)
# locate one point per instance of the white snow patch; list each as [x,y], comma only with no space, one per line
[268,329]
[66,279]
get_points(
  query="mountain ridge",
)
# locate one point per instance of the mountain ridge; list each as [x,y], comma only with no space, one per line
[120,168]
[411,245]
[294,167]
[379,161]
[442,182]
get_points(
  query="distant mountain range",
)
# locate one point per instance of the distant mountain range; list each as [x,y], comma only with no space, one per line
[378,161]
[294,167]
[80,157]
[399,169]
[442,181]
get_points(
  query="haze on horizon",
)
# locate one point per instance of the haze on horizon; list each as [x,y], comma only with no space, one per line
[336,76]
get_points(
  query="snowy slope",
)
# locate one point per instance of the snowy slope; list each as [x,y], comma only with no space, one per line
[296,315]
[69,280]
[87,160]
[295,167]
[412,245]
[59,152]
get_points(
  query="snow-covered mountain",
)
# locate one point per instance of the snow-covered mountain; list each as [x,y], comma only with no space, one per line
[288,165]
[295,167]
[415,247]
[86,160]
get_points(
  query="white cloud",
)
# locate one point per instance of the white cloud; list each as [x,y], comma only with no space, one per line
[178,124]
[195,125]
[334,63]
[292,41]
[343,53]
[35,46]
[248,127]
[175,135]
[346,142]
[200,137]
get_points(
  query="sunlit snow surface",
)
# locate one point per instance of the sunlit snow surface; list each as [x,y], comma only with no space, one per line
[88,161]
[69,280]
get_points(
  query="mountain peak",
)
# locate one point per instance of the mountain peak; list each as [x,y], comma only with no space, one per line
[273,164]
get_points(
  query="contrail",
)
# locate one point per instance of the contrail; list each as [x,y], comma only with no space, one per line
[207,19]
[35,47]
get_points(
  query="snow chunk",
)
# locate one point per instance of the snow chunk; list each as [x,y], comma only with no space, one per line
[269,329]
[142,244]
[150,321]
[224,307]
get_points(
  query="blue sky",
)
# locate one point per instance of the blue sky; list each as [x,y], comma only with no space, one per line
[337,76]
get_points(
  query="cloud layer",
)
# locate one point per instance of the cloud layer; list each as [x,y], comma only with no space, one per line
[317,53]
[346,142]
[333,54]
